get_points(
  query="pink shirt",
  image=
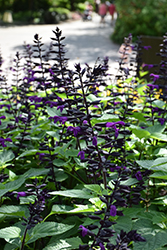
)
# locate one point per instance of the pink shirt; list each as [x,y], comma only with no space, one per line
[102,9]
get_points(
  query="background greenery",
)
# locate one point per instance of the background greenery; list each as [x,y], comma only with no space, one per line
[144,17]
[41,11]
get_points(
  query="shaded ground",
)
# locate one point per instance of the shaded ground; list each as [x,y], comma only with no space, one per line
[85,41]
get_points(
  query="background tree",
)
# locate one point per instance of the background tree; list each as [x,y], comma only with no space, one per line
[140,18]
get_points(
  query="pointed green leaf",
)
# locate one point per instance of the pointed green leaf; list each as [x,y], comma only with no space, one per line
[156,129]
[140,133]
[145,163]
[6,156]
[48,229]
[12,210]
[10,232]
[70,210]
[159,136]
[73,193]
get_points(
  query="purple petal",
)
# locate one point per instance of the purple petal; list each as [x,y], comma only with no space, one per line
[138,176]
[113,210]
[94,141]
[101,246]
[82,155]
[84,230]
[20,194]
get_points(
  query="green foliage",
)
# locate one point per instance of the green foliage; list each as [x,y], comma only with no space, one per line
[140,18]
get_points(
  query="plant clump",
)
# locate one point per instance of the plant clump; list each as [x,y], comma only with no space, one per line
[82,152]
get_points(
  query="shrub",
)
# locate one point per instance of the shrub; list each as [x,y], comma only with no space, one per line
[140,18]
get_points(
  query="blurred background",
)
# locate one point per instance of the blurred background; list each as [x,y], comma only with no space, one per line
[139,17]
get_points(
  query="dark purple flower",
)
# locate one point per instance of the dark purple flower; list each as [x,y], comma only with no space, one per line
[113,210]
[161,120]
[113,125]
[94,141]
[132,47]
[75,130]
[61,119]
[82,155]
[116,168]
[41,155]
[147,47]
[138,176]
[52,104]
[155,110]
[35,99]
[2,117]
[5,105]
[115,103]
[20,194]
[149,66]
[2,141]
[61,108]
[85,122]
[155,78]
[84,230]
[51,71]
[101,246]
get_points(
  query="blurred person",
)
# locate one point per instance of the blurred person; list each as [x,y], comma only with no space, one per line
[112,10]
[97,2]
[102,11]
[88,12]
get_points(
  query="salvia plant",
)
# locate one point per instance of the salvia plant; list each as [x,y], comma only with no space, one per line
[83,158]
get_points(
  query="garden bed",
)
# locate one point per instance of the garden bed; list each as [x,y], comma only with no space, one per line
[83,155]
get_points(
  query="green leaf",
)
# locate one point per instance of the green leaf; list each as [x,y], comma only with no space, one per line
[11,186]
[129,182]
[71,243]
[53,111]
[156,129]
[6,156]
[10,232]
[158,103]
[72,152]
[139,116]
[145,163]
[123,223]
[45,229]
[153,242]
[61,209]
[159,136]
[27,153]
[73,193]
[9,246]
[59,163]
[159,175]
[53,134]
[94,187]
[62,244]
[140,133]
[35,172]
[12,210]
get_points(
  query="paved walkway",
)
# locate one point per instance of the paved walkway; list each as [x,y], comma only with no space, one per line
[85,41]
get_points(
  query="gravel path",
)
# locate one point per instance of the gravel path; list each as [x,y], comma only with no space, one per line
[85,41]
